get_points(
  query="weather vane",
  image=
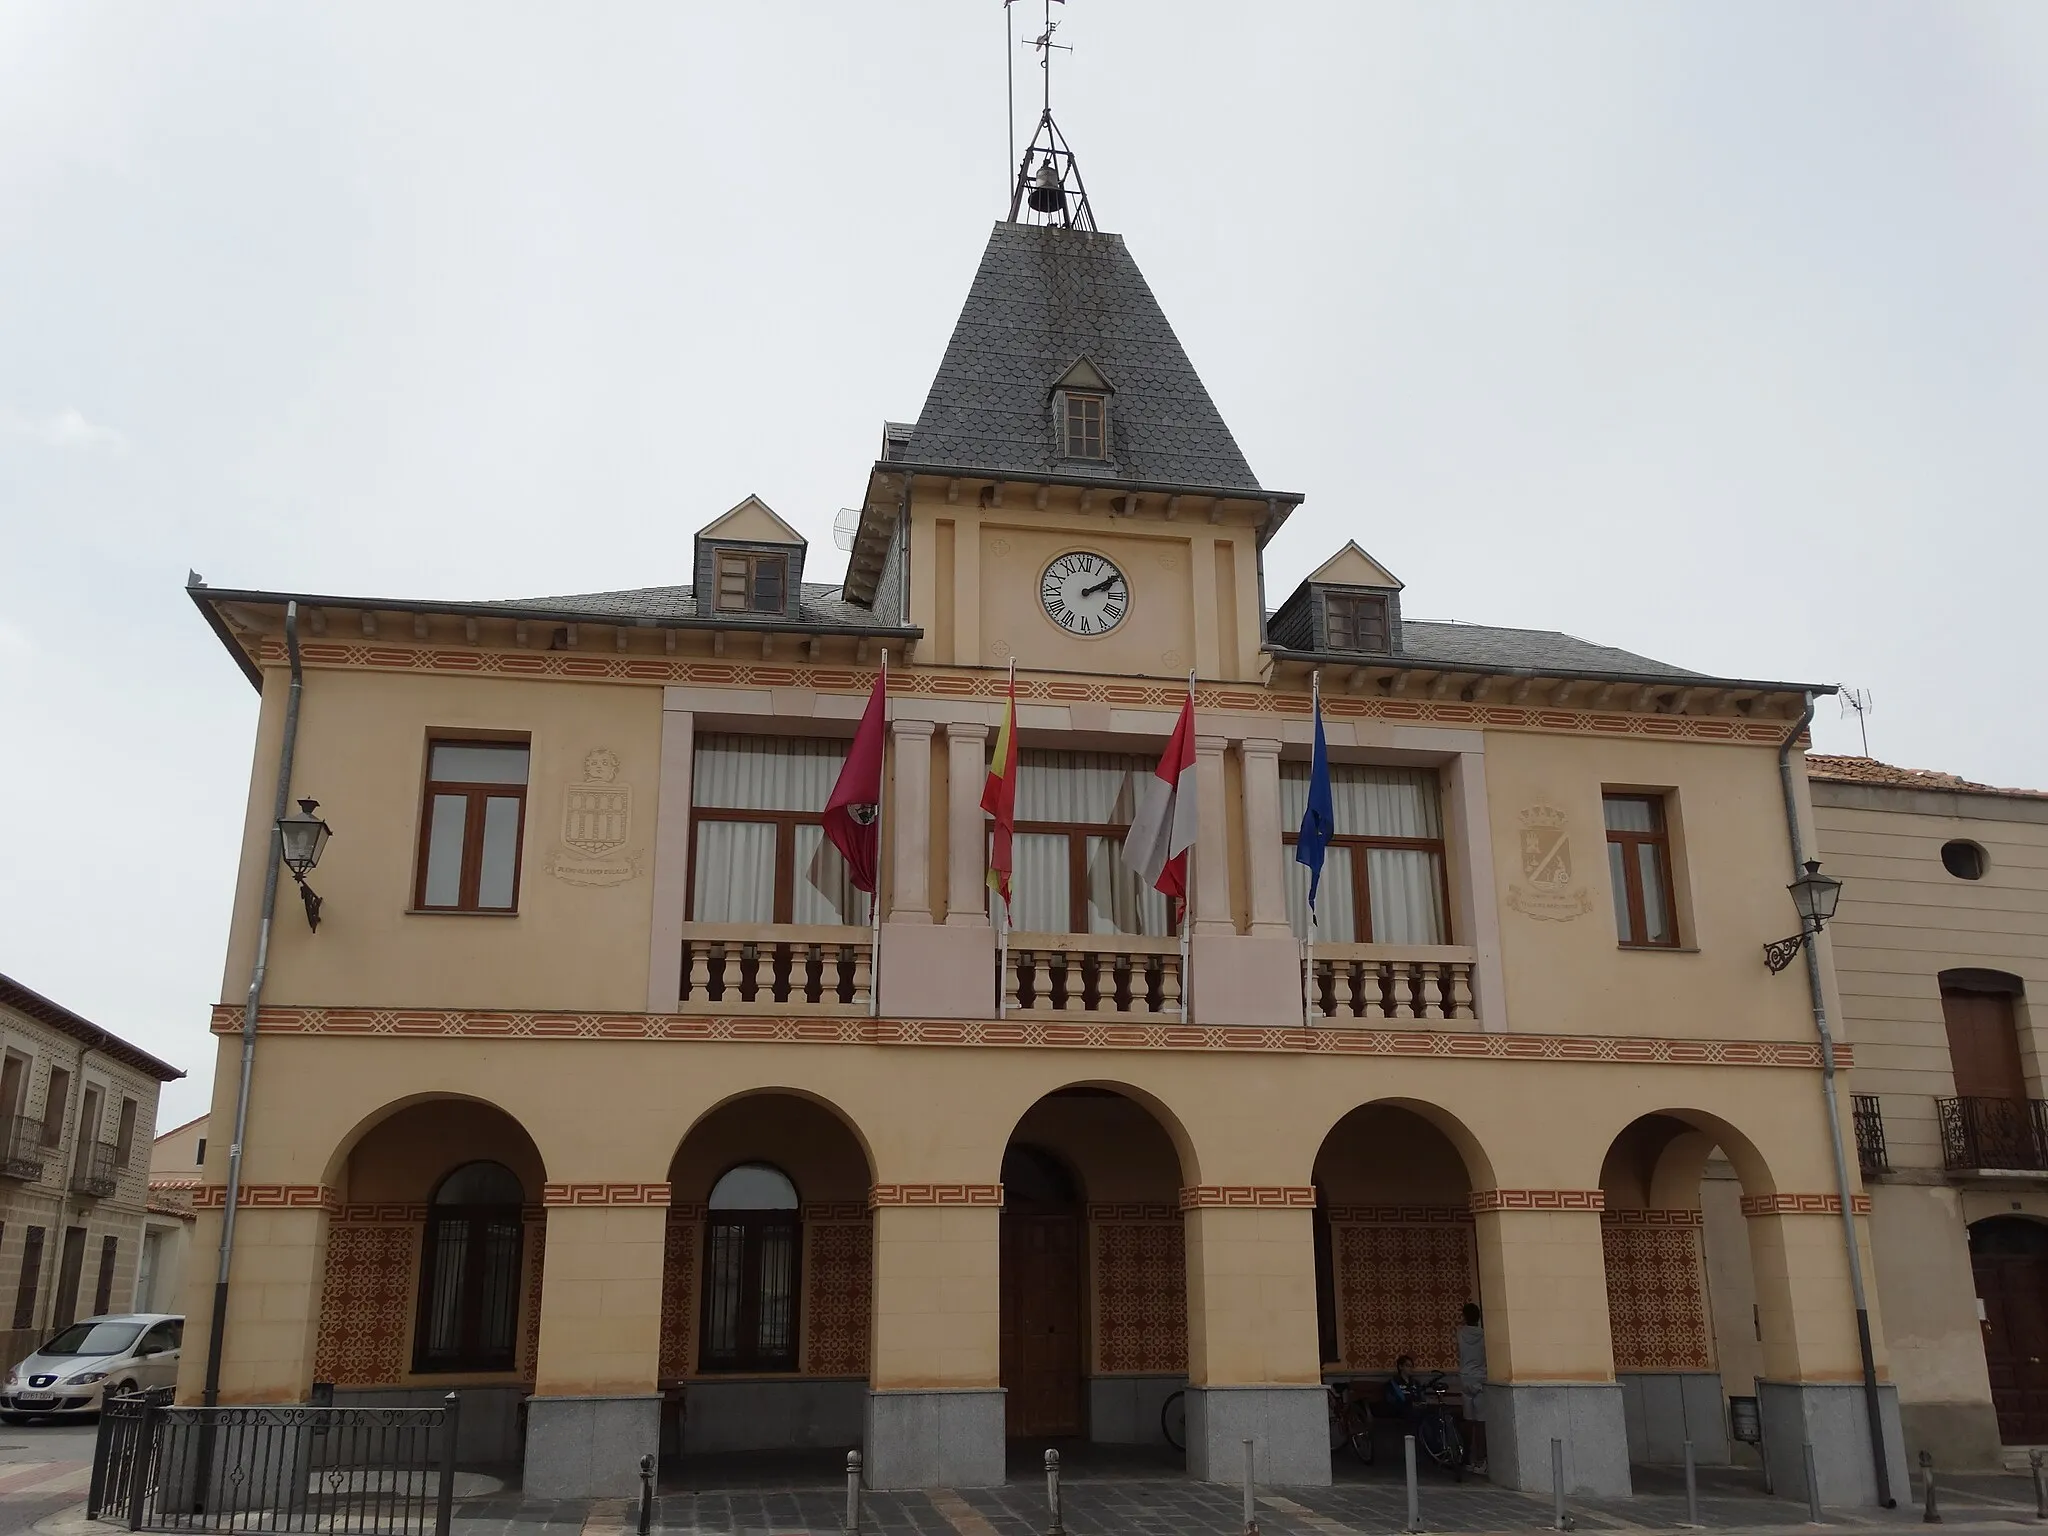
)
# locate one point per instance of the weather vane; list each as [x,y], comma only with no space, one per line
[1047,183]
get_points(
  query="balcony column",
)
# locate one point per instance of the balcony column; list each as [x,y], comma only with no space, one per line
[666,983]
[910,842]
[966,840]
[1265,853]
[1212,847]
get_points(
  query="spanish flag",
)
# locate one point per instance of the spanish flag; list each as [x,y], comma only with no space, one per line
[999,796]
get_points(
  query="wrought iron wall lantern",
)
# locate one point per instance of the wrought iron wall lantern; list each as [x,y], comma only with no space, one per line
[302,838]
[1815,896]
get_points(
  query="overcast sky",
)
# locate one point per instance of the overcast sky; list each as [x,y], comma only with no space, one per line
[1714,331]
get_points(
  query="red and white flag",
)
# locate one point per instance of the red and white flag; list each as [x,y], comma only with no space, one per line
[1163,830]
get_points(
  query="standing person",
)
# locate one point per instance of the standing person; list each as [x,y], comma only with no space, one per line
[1472,1382]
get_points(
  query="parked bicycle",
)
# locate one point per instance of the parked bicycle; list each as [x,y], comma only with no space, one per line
[1427,1411]
[1350,1420]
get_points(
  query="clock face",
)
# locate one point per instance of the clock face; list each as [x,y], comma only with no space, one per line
[1084,594]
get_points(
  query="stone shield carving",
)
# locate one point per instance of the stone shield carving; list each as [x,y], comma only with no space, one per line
[1547,889]
[597,826]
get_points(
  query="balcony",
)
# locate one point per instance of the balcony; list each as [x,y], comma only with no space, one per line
[1993,1135]
[745,968]
[1377,983]
[1092,973]
[1871,1156]
[97,1174]
[21,1148]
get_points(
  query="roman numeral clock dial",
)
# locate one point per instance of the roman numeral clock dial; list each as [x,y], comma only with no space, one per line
[1085,594]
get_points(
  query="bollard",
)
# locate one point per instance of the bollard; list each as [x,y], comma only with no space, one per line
[853,1490]
[1930,1512]
[1692,1490]
[1559,1520]
[646,1494]
[2040,1487]
[1052,1492]
[1812,1484]
[1251,1519]
[1414,1495]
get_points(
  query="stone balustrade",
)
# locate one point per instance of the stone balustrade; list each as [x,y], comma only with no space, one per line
[738,967]
[1394,981]
[1091,973]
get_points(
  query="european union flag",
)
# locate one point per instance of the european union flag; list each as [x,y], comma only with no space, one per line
[1319,820]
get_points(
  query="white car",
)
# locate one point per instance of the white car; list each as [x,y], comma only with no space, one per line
[68,1376]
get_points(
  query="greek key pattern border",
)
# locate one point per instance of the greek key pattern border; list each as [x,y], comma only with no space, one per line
[1255,1196]
[1801,1205]
[1132,1210]
[935,1194]
[592,667]
[1664,1218]
[1029,1034]
[1399,1215]
[835,1210]
[1484,1200]
[604,1194]
[267,1197]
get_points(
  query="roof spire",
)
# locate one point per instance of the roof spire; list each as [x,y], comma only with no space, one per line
[1048,187]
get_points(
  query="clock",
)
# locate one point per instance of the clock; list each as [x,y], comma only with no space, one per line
[1084,593]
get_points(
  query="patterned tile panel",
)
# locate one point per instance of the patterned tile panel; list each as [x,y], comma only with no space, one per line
[838,1287]
[366,1301]
[1141,1294]
[536,1262]
[1399,1291]
[680,1242]
[1656,1293]
[1032,1034]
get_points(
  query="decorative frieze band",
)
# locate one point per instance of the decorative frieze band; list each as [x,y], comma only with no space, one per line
[572,666]
[495,1024]
[835,1210]
[1538,1200]
[1398,1215]
[935,1194]
[1132,1210]
[1801,1205]
[272,1197]
[604,1194]
[1665,1218]
[1203,1196]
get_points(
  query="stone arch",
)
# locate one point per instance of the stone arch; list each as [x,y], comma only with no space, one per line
[414,1112]
[1161,1114]
[830,1107]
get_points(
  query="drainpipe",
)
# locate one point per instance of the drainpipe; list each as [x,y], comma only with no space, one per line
[1827,1093]
[256,974]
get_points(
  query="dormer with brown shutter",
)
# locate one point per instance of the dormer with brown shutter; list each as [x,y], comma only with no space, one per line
[750,565]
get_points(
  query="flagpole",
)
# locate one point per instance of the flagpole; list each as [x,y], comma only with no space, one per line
[1186,965]
[1308,949]
[1003,938]
[875,901]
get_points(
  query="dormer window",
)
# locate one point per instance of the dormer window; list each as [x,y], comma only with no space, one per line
[1356,621]
[1084,425]
[751,583]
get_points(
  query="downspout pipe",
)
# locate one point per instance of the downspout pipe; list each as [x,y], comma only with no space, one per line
[1827,1093]
[255,999]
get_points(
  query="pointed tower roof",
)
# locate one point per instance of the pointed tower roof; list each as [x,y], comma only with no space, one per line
[1044,298]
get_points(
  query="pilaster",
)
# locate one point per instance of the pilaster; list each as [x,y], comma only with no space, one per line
[1211,853]
[671,855]
[1264,851]
[966,837]
[910,823]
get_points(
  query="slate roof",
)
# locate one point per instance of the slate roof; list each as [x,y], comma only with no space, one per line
[1485,645]
[1868,770]
[1043,298]
[818,604]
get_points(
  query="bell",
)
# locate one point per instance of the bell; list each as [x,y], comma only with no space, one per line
[1047,195]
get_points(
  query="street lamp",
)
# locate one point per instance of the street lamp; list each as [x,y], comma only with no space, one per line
[1815,897]
[301,839]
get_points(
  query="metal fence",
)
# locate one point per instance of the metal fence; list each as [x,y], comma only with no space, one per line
[1871,1155]
[287,1471]
[2007,1134]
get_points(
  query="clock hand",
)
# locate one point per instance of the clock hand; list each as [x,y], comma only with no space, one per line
[1101,586]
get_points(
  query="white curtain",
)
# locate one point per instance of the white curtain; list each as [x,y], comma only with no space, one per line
[1093,789]
[736,859]
[765,773]
[1039,884]
[1406,885]
[735,872]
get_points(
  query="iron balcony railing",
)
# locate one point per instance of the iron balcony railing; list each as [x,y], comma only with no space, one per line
[97,1174]
[2009,1134]
[21,1148]
[1870,1152]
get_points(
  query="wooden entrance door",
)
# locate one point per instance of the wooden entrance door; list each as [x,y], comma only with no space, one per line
[2010,1261]
[1983,1045]
[1041,1260]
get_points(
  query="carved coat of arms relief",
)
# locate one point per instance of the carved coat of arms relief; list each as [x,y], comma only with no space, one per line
[597,826]
[1547,889]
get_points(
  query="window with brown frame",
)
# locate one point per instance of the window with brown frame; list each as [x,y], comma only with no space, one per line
[1084,426]
[56,1104]
[1068,873]
[749,582]
[472,823]
[1383,870]
[752,1243]
[758,852]
[469,1272]
[1355,621]
[124,1143]
[1639,866]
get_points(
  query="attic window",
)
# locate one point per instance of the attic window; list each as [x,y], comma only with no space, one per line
[1083,422]
[751,583]
[1356,621]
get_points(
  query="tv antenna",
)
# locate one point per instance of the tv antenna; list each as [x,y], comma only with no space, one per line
[1048,183]
[1857,701]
